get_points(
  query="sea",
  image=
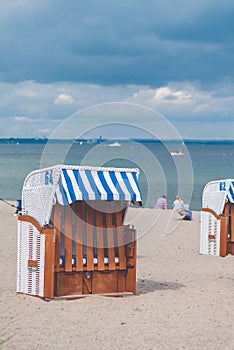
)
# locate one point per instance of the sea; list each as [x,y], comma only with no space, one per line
[164,170]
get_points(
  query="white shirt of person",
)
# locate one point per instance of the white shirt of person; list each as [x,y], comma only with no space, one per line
[178,204]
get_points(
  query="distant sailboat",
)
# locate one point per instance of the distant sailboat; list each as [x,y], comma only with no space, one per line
[180,152]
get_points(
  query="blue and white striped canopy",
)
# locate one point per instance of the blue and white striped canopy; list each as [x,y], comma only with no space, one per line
[230,194]
[90,183]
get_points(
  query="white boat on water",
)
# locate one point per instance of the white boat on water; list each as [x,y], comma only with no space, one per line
[115,144]
[178,153]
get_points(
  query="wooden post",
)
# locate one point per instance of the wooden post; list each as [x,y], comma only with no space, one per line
[223,235]
[68,238]
[110,241]
[79,235]
[57,226]
[49,263]
[89,238]
[227,209]
[100,240]
[131,265]
[131,274]
[120,238]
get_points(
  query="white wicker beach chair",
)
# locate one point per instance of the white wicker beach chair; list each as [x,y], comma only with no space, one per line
[217,218]
[71,237]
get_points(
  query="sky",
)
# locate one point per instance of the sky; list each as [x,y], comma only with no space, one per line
[61,57]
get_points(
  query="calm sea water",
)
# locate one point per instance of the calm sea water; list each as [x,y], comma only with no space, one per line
[158,171]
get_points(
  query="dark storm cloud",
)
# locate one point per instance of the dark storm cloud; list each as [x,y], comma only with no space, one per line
[138,42]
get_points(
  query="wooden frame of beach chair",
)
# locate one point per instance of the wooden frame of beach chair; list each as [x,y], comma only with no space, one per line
[74,265]
[84,248]
[227,231]
[217,226]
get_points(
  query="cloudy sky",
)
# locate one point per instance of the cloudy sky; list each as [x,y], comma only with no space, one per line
[58,57]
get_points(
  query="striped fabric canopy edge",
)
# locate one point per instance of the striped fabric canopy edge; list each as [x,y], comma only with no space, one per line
[230,194]
[89,183]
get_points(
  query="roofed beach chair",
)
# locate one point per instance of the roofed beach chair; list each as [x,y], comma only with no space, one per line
[217,218]
[72,240]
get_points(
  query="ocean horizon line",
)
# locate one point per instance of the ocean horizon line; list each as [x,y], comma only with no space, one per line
[44,140]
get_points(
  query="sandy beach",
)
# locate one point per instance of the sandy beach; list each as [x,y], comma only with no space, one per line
[184,300]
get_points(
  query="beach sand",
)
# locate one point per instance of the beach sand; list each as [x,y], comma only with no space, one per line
[184,300]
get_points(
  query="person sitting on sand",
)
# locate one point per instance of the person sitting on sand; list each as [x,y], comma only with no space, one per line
[187,214]
[178,204]
[161,203]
